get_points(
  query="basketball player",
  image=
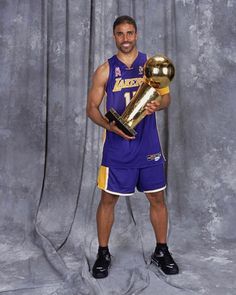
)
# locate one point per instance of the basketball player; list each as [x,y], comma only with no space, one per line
[127,161]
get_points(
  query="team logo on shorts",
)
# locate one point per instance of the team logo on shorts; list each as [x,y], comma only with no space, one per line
[117,72]
[154,157]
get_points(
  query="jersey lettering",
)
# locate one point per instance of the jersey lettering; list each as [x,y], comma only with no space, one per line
[126,83]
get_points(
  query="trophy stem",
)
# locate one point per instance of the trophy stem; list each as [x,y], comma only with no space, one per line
[112,115]
[135,111]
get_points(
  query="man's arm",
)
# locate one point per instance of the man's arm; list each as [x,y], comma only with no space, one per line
[154,105]
[96,94]
[95,97]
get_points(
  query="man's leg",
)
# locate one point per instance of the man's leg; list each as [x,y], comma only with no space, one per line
[105,219]
[158,215]
[159,219]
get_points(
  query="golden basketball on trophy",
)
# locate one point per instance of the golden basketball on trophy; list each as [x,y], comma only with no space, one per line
[159,71]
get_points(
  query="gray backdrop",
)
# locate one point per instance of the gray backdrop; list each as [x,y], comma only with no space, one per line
[50,151]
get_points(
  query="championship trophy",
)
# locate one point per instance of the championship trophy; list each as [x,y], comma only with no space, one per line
[158,73]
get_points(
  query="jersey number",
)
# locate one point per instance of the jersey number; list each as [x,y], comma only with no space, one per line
[128,96]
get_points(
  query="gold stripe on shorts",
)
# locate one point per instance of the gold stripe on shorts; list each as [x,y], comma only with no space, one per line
[103,177]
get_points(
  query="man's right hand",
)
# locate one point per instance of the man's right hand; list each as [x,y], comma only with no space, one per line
[115,129]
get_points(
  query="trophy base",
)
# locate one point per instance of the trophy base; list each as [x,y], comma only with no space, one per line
[112,115]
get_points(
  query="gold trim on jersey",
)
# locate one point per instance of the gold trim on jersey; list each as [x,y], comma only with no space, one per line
[164,90]
[104,133]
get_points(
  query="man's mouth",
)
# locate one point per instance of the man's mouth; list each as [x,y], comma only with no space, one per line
[126,44]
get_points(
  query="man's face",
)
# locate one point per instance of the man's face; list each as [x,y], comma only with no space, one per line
[125,37]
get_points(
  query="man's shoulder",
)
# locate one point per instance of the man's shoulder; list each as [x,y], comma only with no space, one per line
[143,53]
[103,67]
[102,72]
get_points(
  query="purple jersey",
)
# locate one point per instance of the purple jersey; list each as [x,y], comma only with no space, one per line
[145,149]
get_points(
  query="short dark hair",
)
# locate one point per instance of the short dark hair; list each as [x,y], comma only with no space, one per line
[124,19]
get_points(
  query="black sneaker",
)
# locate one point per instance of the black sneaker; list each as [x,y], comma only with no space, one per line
[163,259]
[101,265]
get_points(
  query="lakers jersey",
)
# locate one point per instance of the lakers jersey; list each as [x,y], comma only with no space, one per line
[145,149]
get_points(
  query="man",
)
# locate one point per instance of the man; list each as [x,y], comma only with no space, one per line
[128,162]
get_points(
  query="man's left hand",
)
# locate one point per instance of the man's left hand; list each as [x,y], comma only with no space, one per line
[152,107]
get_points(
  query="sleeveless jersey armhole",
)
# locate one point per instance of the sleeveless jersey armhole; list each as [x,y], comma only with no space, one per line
[109,76]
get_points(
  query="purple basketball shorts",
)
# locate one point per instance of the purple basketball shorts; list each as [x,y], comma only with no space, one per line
[119,181]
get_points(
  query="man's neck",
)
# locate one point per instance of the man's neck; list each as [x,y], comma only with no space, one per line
[128,58]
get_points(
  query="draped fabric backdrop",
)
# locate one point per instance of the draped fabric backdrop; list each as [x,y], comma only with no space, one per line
[50,151]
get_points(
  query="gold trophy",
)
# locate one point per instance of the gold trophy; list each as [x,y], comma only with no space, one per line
[158,73]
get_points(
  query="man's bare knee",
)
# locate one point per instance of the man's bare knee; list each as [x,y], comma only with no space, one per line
[156,199]
[108,199]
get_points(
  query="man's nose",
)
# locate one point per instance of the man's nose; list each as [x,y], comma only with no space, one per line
[125,37]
